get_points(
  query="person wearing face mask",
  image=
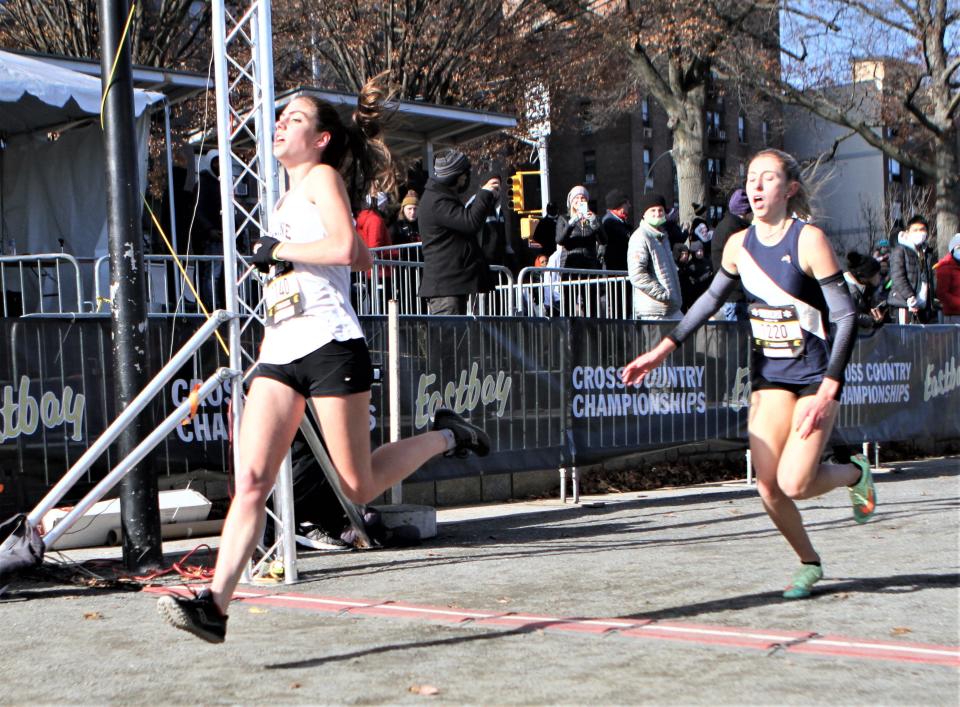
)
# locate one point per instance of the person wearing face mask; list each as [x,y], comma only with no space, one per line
[656,284]
[911,275]
[948,281]
[454,267]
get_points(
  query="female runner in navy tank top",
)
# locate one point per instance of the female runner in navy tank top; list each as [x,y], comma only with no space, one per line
[795,289]
[313,350]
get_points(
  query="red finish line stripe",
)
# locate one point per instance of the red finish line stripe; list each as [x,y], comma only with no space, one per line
[758,639]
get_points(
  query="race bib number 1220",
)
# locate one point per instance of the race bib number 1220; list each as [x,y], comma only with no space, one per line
[776,330]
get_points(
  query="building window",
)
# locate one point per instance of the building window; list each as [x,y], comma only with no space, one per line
[583,117]
[714,170]
[715,129]
[647,159]
[645,111]
[742,169]
[765,132]
[590,167]
[716,214]
[894,173]
[742,128]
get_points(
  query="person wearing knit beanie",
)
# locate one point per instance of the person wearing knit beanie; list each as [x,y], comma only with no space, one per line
[448,165]
[862,277]
[649,201]
[405,229]
[948,281]
[577,191]
[862,267]
[410,199]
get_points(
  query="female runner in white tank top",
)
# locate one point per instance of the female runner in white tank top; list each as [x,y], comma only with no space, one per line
[313,347]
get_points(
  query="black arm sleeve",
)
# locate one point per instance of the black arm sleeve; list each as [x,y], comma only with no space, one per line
[709,302]
[844,315]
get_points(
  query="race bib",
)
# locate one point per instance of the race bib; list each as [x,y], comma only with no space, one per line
[776,330]
[283,298]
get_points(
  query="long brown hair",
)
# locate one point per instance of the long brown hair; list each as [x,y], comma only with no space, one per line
[357,150]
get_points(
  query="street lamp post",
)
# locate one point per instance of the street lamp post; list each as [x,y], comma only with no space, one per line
[648,181]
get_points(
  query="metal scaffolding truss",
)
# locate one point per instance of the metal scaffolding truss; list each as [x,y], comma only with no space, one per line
[243,69]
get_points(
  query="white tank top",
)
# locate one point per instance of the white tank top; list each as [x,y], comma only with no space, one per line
[324,289]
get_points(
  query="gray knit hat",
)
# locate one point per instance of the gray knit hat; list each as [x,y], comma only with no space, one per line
[450,164]
[582,191]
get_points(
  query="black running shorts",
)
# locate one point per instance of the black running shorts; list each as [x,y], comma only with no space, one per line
[336,368]
[799,389]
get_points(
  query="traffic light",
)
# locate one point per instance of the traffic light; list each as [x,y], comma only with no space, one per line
[516,192]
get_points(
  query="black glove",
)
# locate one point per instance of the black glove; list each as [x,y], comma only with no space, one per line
[262,255]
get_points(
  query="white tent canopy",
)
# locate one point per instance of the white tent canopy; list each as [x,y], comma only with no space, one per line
[52,166]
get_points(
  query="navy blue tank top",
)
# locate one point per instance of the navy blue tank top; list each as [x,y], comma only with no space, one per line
[777,287]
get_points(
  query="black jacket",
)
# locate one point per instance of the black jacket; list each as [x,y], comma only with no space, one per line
[618,236]
[729,224]
[453,263]
[865,298]
[581,238]
[546,235]
[908,269]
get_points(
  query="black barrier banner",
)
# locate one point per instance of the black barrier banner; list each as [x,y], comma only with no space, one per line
[547,391]
[504,374]
[699,393]
[901,383]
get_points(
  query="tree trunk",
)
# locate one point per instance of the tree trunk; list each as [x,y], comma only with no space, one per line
[688,157]
[947,189]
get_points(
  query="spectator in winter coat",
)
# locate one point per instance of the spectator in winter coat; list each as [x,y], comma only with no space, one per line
[863,280]
[492,235]
[700,271]
[405,229]
[545,234]
[656,285]
[453,263]
[580,233]
[948,281]
[371,225]
[617,228]
[911,275]
[738,218]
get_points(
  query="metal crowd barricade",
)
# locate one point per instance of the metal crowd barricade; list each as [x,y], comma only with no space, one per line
[40,283]
[396,275]
[168,293]
[571,292]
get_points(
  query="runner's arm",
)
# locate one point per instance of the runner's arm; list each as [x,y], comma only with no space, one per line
[706,304]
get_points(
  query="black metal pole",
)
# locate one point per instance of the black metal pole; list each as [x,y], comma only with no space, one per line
[139,505]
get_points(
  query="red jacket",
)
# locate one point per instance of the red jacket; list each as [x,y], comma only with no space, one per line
[948,284]
[372,229]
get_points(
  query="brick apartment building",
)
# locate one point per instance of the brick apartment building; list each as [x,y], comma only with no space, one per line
[632,149]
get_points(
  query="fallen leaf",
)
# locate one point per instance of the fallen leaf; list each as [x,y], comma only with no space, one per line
[257,610]
[295,686]
[900,630]
[503,600]
[427,690]
[92,615]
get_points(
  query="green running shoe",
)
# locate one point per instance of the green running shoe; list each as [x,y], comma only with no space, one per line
[863,494]
[803,579]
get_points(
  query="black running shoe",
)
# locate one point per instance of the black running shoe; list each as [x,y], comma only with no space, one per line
[197,615]
[469,438]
